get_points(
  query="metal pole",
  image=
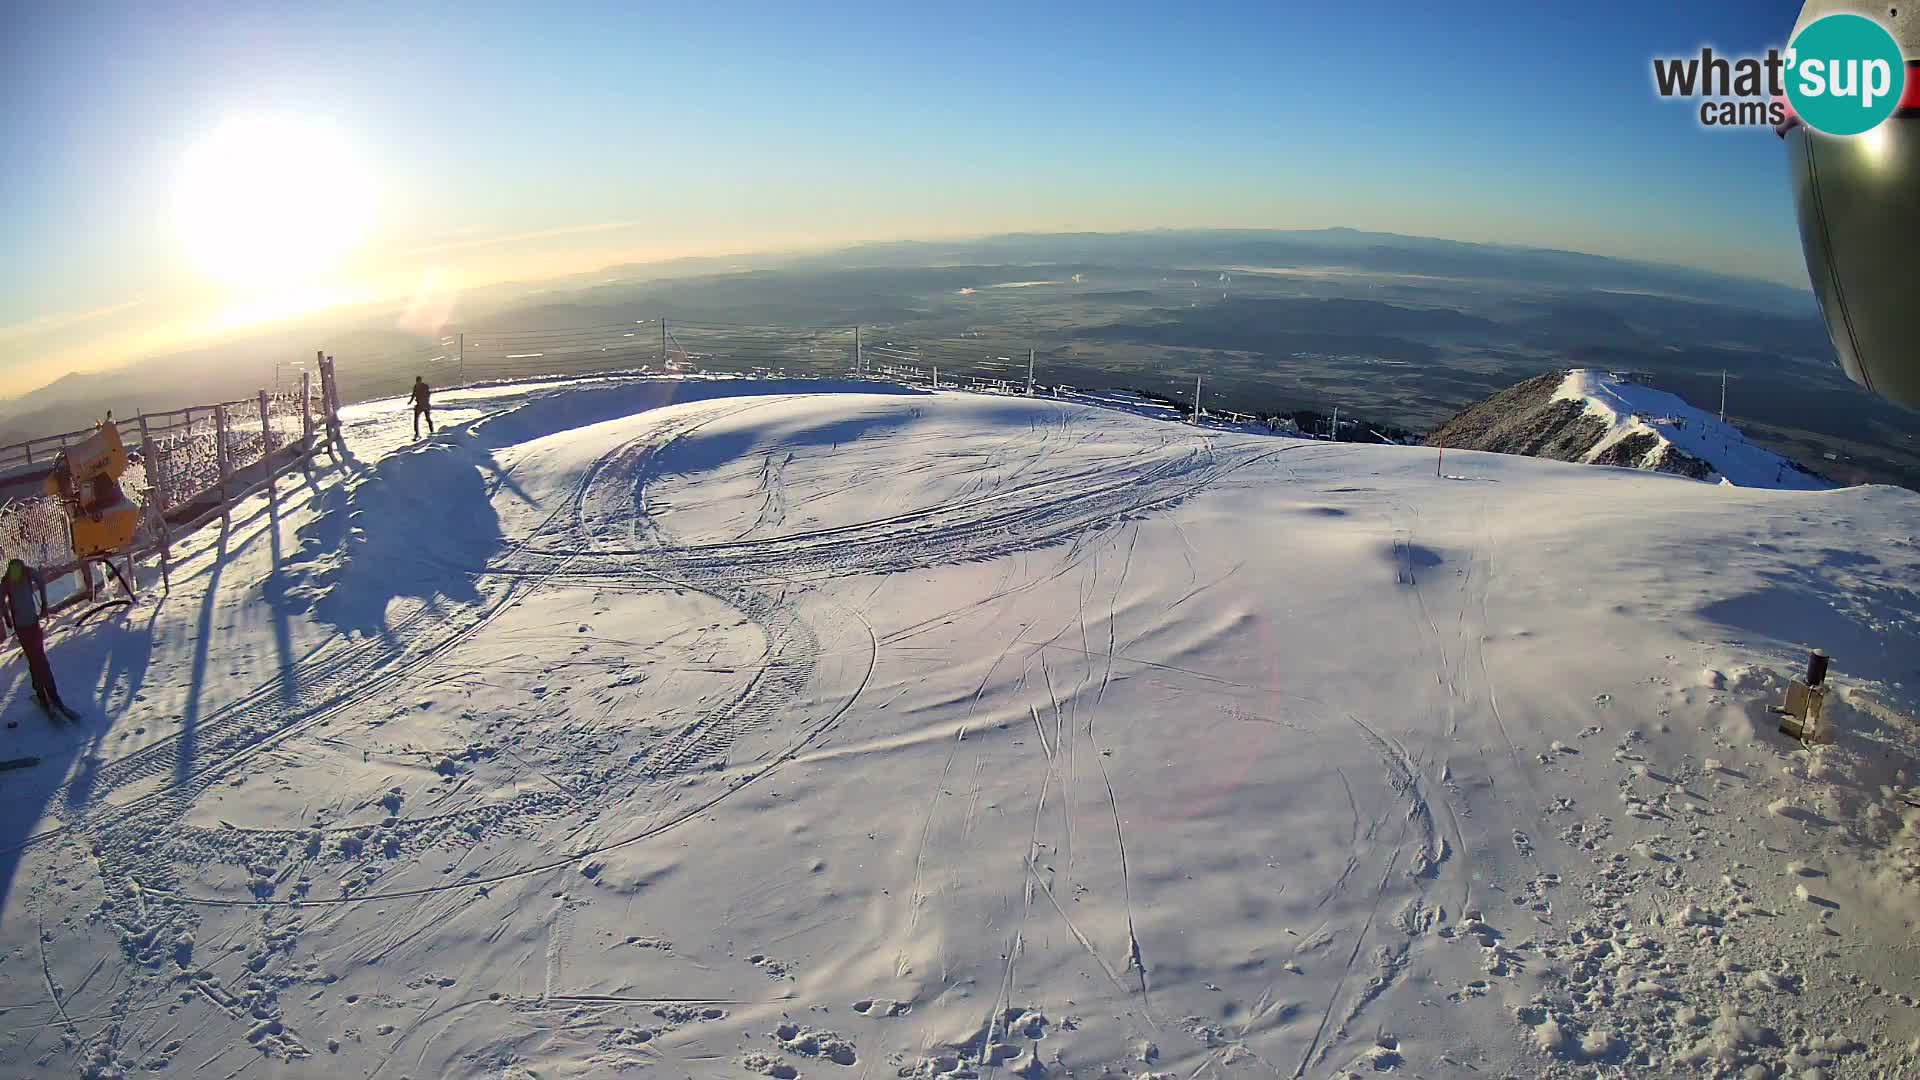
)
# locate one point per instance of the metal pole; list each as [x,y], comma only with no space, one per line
[1723,395]
[663,343]
[859,354]
[1196,399]
[1029,372]
[1334,435]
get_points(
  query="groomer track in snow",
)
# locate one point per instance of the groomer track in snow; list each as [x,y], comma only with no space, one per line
[747,727]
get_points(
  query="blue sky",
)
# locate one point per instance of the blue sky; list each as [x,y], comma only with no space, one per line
[511,141]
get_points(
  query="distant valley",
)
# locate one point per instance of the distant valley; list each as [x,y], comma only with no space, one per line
[1401,331]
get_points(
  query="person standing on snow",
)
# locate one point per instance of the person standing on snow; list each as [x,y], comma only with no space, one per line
[422,406]
[20,609]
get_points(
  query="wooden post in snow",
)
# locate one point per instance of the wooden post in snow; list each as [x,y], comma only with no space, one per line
[306,423]
[220,457]
[330,408]
[156,501]
[326,427]
[266,440]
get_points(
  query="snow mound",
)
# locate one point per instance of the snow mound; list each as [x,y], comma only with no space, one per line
[809,729]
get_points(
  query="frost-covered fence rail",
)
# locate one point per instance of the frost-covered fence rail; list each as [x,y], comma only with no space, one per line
[37,453]
[204,456]
[180,453]
[32,526]
[186,466]
[35,529]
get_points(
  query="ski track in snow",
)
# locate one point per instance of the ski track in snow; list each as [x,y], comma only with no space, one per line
[683,788]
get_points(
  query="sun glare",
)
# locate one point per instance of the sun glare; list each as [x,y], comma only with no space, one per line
[267,201]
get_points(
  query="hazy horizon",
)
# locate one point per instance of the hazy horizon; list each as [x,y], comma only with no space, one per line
[446,299]
[177,173]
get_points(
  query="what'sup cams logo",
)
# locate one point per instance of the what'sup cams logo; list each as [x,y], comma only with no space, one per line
[1842,75]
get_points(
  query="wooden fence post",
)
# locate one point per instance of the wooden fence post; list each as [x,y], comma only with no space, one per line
[333,380]
[326,422]
[156,502]
[266,441]
[306,423]
[220,457]
[330,400]
[335,442]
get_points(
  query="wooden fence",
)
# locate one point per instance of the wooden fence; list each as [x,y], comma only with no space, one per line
[188,466]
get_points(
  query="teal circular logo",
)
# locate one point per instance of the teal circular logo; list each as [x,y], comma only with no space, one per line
[1845,74]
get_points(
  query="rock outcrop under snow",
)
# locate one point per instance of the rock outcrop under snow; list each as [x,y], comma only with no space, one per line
[1597,418]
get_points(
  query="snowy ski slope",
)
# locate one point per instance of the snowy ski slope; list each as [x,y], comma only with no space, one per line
[733,728]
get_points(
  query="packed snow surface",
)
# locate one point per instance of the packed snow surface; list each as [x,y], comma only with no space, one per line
[721,728]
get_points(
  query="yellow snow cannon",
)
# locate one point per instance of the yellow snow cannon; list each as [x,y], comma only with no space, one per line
[86,480]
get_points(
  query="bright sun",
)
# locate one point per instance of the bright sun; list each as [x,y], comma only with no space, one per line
[268,201]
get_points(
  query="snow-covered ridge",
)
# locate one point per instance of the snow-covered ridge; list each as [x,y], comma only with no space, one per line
[1677,434]
[1600,418]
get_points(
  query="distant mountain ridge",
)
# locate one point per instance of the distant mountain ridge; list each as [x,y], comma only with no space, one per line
[1600,418]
